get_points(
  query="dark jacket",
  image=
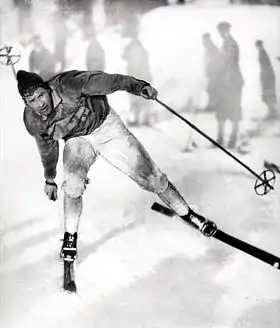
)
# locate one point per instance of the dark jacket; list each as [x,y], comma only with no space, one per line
[80,106]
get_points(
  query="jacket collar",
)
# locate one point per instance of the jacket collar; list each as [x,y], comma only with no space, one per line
[56,97]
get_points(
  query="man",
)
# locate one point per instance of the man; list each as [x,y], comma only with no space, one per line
[95,54]
[267,80]
[212,71]
[73,106]
[41,60]
[141,111]
[231,85]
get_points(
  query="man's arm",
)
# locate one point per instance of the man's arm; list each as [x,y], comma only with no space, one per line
[49,152]
[100,83]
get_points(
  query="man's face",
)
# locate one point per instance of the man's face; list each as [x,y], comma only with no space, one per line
[40,101]
[224,34]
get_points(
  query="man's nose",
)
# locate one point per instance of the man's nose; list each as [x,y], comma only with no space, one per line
[40,103]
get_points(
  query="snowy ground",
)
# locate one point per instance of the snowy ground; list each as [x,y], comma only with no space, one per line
[137,268]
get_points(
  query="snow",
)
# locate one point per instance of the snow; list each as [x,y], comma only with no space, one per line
[137,268]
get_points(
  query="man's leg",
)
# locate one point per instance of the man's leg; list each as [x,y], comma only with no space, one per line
[73,208]
[221,132]
[121,149]
[272,109]
[78,156]
[234,133]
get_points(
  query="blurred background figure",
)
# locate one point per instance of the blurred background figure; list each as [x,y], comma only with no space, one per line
[212,66]
[24,16]
[267,80]
[191,145]
[95,54]
[124,12]
[41,60]
[231,85]
[137,64]
[83,8]
[61,35]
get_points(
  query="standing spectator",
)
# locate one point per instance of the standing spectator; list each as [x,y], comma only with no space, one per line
[137,60]
[231,84]
[122,11]
[24,16]
[61,35]
[212,65]
[95,55]
[267,79]
[41,60]
[83,8]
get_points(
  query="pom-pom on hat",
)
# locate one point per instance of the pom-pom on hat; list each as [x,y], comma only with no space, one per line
[28,82]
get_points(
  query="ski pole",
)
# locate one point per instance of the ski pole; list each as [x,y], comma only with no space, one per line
[264,181]
[11,58]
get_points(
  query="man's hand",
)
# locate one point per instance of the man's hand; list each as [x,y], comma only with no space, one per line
[51,189]
[149,92]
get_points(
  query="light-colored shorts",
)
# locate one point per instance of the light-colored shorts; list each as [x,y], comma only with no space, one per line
[118,146]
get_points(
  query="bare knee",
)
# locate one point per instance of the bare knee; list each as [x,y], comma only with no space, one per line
[155,182]
[74,185]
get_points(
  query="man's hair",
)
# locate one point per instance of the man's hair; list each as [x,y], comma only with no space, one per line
[259,43]
[224,26]
[28,82]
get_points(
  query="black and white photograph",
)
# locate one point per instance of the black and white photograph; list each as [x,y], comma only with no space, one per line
[139,163]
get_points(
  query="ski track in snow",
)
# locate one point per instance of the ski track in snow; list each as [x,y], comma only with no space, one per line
[123,244]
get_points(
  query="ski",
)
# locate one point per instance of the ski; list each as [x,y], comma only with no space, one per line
[69,284]
[230,240]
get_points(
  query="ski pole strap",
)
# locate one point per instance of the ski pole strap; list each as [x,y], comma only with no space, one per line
[51,183]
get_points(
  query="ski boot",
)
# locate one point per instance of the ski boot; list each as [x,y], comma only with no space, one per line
[205,226]
[69,247]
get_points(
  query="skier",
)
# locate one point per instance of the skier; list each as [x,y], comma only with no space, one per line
[73,106]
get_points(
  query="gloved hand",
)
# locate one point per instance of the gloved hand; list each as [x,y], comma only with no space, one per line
[51,190]
[149,92]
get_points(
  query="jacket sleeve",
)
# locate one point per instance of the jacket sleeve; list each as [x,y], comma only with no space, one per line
[101,83]
[49,152]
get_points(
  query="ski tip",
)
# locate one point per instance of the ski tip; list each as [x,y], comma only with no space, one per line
[276,265]
[71,287]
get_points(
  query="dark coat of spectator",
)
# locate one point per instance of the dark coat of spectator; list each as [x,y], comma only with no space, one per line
[267,80]
[61,35]
[137,60]
[212,66]
[41,60]
[231,79]
[95,56]
[231,85]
